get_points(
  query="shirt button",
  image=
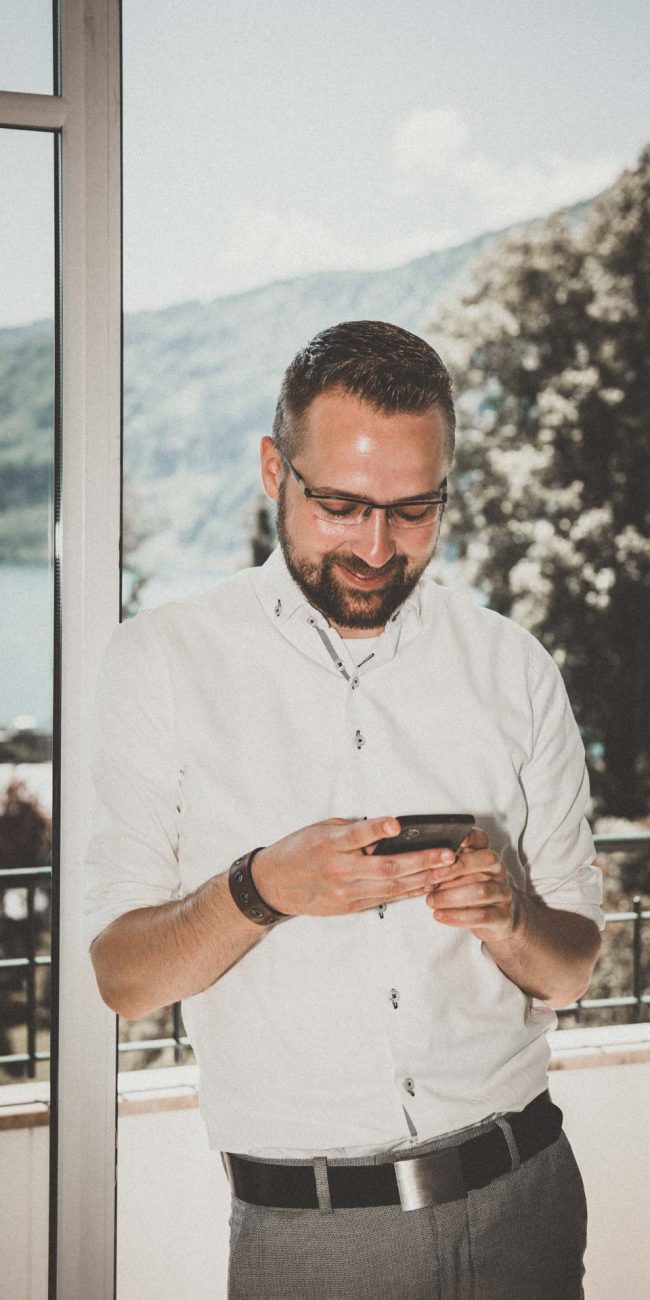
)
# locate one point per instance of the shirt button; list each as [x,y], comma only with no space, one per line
[359,739]
[354,683]
[410,1086]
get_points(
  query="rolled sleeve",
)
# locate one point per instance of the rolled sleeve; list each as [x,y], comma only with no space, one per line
[132,855]
[557,847]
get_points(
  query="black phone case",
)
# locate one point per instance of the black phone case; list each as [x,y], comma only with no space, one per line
[427,831]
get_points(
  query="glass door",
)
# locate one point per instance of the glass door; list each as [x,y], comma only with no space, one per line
[28,451]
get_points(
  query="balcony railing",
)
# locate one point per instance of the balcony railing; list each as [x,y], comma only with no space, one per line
[31,879]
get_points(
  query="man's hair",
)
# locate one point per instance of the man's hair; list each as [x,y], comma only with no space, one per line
[383,364]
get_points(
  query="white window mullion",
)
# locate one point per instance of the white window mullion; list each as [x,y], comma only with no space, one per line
[88,547]
[32,112]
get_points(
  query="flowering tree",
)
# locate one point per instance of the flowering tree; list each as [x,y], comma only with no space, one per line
[549,517]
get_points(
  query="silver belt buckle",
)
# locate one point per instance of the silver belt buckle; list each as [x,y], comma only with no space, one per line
[430,1179]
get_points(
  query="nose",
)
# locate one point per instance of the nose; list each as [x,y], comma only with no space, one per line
[374,541]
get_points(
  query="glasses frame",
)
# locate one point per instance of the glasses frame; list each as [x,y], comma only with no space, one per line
[435,499]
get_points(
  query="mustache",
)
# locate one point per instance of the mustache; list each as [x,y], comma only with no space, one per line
[392,568]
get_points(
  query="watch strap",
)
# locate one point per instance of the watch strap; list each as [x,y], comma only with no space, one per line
[246,895]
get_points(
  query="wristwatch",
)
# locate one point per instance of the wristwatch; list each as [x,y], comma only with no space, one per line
[246,895]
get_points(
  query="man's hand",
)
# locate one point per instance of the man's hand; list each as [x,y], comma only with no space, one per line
[472,890]
[548,952]
[329,869]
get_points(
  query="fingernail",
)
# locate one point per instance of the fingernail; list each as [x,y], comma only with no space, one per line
[447,856]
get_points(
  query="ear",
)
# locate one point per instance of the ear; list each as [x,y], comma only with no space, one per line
[271,466]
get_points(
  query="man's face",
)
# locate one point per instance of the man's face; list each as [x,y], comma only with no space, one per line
[357,576]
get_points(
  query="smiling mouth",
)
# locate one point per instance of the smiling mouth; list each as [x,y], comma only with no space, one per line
[368,582]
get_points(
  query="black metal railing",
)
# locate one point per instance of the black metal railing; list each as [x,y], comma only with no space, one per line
[31,878]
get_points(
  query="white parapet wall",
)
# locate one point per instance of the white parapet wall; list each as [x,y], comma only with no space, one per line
[173,1199]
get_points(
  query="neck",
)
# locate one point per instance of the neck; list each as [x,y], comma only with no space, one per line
[356,633]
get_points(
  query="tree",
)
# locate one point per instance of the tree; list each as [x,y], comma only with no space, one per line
[25,841]
[134,533]
[263,535]
[549,516]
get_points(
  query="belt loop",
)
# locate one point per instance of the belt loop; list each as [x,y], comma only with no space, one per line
[515,1158]
[322,1185]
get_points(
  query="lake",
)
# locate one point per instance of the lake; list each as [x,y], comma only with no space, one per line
[26,618]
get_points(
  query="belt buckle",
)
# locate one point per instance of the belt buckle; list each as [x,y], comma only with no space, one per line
[430,1179]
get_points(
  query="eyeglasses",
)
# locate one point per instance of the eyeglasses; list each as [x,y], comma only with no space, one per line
[342,509]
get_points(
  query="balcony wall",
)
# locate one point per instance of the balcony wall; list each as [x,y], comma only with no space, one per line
[173,1197]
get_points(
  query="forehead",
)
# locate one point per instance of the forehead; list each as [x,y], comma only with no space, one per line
[351,445]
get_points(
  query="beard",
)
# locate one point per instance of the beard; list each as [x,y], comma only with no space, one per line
[325,589]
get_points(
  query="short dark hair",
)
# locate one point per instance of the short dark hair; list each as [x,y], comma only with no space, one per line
[385,365]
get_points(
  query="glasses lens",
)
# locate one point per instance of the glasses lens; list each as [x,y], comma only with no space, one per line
[339,512]
[342,513]
[414,516]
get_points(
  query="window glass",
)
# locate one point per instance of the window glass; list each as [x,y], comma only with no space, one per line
[289,166]
[26,691]
[26,46]
[365,186]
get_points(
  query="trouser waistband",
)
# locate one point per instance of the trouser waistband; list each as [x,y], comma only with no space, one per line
[407,1179]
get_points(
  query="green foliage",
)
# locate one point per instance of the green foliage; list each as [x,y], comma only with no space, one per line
[263,537]
[26,442]
[25,841]
[550,352]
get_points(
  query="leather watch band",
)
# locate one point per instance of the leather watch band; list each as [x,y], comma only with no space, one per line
[246,895]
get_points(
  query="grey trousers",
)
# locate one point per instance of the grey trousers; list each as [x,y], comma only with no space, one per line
[520,1238]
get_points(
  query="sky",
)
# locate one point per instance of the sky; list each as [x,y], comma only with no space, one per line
[270,138]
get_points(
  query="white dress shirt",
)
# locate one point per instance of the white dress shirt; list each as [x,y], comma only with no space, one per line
[230,719]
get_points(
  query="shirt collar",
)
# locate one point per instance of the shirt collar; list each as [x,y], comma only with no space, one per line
[282,598]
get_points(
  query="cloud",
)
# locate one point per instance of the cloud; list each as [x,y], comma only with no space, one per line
[398,251]
[532,189]
[433,144]
[264,244]
[428,142]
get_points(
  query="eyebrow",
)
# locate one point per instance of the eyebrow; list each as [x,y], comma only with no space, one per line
[400,501]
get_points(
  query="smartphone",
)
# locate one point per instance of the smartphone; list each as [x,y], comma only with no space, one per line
[428,831]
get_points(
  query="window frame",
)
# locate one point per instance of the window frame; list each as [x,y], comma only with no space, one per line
[84,114]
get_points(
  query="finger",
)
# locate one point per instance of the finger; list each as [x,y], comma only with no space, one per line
[443,886]
[472,918]
[357,835]
[385,889]
[393,892]
[475,839]
[482,893]
[404,864]
[478,860]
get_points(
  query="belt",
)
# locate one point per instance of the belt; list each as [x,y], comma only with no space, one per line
[443,1175]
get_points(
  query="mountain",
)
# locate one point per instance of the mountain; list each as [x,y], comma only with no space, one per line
[200,387]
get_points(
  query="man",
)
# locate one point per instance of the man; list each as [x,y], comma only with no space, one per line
[370,1029]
